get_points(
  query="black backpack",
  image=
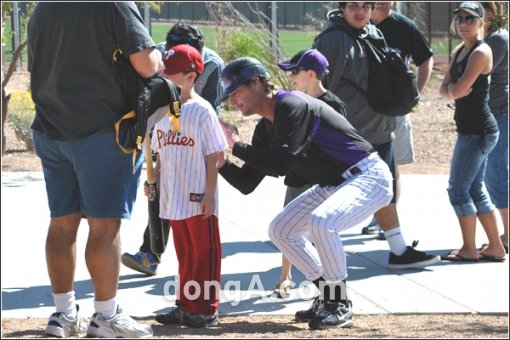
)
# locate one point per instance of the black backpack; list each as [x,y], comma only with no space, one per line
[392,87]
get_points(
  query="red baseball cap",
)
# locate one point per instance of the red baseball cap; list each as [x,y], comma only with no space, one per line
[183,58]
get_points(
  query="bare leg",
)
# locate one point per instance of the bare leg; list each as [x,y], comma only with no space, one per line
[468,229]
[61,252]
[387,217]
[489,223]
[285,274]
[103,256]
[504,217]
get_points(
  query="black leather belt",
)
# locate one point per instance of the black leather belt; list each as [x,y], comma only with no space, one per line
[336,182]
[354,170]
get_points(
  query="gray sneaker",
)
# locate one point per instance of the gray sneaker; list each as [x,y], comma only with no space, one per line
[118,326]
[60,326]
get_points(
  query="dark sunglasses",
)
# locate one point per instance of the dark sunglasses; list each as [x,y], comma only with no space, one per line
[468,19]
[296,71]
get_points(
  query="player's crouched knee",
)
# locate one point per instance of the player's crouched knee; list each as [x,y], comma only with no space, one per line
[275,233]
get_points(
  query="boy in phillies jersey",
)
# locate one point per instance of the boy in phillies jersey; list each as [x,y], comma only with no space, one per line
[188,149]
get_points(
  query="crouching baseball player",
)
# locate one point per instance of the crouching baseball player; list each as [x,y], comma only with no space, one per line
[308,142]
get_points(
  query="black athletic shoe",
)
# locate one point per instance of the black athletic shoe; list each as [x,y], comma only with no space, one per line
[412,258]
[310,313]
[199,320]
[339,315]
[171,318]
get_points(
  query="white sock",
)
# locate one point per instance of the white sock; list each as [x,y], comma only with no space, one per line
[396,241]
[107,308]
[65,303]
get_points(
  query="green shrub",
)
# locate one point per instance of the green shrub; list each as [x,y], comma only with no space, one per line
[20,116]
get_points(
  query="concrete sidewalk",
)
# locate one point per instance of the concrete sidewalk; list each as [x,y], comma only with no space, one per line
[251,264]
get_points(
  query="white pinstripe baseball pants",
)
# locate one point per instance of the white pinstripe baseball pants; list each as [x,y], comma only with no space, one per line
[319,214]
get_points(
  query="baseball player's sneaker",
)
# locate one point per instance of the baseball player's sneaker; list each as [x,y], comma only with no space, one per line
[171,318]
[141,262]
[333,315]
[60,326]
[310,313]
[199,320]
[412,258]
[118,326]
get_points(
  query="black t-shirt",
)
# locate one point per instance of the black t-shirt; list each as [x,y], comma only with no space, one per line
[332,100]
[308,140]
[403,34]
[472,113]
[70,49]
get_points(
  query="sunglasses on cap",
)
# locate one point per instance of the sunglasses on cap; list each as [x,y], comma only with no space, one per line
[468,19]
[295,71]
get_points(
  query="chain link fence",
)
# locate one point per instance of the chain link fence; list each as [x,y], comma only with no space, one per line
[433,18]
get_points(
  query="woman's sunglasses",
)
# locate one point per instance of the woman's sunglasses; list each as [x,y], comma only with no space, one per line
[296,71]
[468,19]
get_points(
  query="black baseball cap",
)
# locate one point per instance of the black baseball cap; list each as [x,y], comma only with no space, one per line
[472,7]
[239,72]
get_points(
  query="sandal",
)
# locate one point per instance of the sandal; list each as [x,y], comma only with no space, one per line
[282,290]
[486,244]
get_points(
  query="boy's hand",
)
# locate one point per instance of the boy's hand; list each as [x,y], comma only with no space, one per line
[208,205]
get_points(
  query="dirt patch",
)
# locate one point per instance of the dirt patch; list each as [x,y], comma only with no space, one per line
[467,326]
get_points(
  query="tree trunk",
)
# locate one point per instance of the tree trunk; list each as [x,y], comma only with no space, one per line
[5,81]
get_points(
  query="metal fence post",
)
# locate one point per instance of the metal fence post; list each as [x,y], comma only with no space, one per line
[15,22]
[274,29]
[147,17]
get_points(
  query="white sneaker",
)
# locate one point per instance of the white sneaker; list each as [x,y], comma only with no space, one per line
[60,326]
[118,326]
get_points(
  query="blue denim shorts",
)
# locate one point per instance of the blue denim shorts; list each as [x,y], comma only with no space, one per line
[90,175]
[385,151]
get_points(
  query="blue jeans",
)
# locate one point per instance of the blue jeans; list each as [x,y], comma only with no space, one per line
[466,189]
[496,176]
[90,175]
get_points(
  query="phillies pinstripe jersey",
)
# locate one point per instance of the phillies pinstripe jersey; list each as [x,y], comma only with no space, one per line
[183,158]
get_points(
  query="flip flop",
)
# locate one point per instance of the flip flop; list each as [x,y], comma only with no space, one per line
[486,244]
[451,256]
[489,258]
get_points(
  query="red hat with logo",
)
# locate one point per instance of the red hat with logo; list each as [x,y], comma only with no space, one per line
[183,58]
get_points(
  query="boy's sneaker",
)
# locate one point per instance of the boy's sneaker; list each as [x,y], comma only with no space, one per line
[340,315]
[310,313]
[118,326]
[412,258]
[171,318]
[60,326]
[199,320]
[141,262]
